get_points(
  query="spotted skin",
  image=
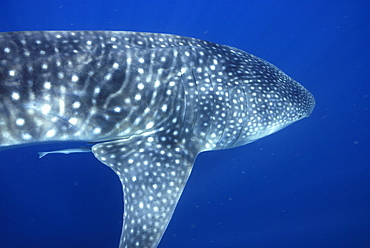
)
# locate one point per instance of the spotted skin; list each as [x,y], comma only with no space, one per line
[150,103]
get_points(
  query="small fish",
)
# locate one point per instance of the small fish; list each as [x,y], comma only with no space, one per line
[65,151]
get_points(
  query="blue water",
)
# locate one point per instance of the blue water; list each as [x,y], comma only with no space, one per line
[305,186]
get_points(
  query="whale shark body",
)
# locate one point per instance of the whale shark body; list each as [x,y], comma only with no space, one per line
[149,103]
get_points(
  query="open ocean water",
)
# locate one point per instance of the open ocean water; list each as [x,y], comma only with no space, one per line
[305,186]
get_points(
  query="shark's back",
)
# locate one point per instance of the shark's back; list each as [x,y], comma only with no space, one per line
[92,85]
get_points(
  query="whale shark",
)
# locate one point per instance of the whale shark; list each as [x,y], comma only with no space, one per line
[148,103]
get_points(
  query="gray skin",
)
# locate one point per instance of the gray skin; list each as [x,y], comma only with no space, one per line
[150,103]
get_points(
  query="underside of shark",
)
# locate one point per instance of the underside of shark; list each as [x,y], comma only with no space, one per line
[150,103]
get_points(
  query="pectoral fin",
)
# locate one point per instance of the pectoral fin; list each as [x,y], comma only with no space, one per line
[153,174]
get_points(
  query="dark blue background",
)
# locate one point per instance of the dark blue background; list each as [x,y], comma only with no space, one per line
[306,186]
